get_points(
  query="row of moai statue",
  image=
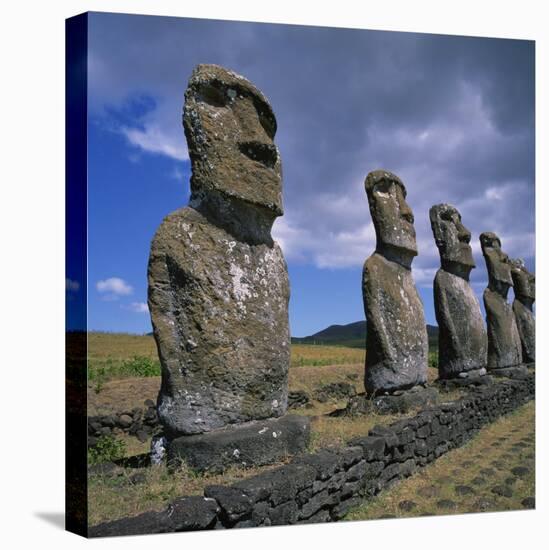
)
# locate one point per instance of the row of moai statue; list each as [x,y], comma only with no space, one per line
[397,342]
[218,287]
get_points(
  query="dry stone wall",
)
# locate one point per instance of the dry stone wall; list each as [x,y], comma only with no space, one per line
[324,486]
[139,422]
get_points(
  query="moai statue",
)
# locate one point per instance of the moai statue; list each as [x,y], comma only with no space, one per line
[396,342]
[504,347]
[524,284]
[218,283]
[462,340]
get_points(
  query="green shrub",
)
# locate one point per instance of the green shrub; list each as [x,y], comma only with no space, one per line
[141,366]
[433,360]
[107,449]
[138,365]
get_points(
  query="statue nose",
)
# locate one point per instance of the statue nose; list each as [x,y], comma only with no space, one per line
[406,212]
[464,235]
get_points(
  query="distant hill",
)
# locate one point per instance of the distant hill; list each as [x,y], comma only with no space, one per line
[352,335]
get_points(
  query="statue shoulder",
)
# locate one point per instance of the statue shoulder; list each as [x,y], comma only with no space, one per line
[373,269]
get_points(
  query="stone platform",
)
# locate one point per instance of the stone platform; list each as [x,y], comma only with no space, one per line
[516,372]
[397,402]
[449,384]
[250,444]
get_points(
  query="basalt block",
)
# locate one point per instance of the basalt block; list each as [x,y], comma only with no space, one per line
[400,401]
[250,444]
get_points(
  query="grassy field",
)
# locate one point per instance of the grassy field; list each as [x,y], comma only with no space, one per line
[117,356]
[494,472]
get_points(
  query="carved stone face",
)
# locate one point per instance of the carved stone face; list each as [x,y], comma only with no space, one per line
[451,236]
[524,282]
[393,218]
[230,127]
[497,262]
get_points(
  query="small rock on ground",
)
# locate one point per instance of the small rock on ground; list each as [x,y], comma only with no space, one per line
[520,471]
[483,504]
[478,481]
[529,502]
[502,490]
[463,490]
[407,505]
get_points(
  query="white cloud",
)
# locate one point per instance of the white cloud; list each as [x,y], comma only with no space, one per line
[71,286]
[138,307]
[493,194]
[114,287]
[153,139]
[424,276]
[177,174]
[327,250]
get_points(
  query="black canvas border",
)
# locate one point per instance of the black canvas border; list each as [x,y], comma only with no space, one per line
[76,144]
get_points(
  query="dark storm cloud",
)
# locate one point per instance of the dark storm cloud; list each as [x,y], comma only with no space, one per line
[453,116]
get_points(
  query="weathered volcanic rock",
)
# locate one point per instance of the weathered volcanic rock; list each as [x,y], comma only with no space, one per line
[396,331]
[462,339]
[524,284]
[183,514]
[504,347]
[218,283]
[250,444]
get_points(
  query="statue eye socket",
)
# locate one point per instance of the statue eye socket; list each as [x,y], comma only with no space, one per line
[211,95]
[447,216]
[384,187]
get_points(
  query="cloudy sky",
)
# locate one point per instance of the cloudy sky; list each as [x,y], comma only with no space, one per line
[452,116]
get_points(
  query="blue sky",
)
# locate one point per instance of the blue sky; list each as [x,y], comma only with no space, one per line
[452,116]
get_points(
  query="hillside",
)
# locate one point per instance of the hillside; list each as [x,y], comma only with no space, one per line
[352,335]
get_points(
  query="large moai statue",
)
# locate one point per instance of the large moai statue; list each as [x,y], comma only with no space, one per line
[524,285]
[504,347]
[396,341]
[218,283]
[462,339]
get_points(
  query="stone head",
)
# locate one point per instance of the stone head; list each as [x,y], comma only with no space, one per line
[524,282]
[393,218]
[497,262]
[451,236]
[230,127]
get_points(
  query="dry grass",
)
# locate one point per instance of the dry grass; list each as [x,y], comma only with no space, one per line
[116,346]
[111,498]
[106,345]
[122,395]
[308,355]
[462,480]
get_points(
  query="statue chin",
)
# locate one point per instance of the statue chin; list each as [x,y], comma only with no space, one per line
[400,240]
[460,256]
[395,252]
